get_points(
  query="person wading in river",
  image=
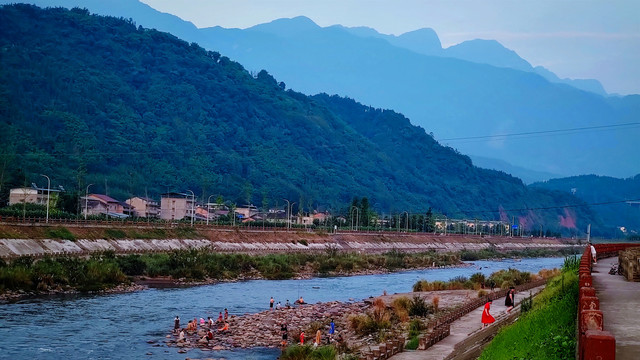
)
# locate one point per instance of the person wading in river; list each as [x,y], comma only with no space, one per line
[176,324]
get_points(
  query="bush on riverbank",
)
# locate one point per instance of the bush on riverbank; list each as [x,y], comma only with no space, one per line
[306,352]
[97,273]
[105,269]
[545,332]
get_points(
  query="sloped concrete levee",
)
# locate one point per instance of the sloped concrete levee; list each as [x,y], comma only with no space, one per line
[257,243]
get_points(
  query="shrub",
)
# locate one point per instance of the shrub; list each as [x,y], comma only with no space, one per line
[132,265]
[303,242]
[296,352]
[436,302]
[324,353]
[400,307]
[478,278]
[419,307]
[413,343]
[415,326]
[482,293]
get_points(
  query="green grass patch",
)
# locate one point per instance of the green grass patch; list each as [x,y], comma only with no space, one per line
[60,232]
[413,343]
[545,332]
[115,234]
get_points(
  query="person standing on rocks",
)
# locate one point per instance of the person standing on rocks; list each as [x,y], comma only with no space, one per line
[285,333]
[287,304]
[332,328]
[271,303]
[226,314]
[176,324]
[302,337]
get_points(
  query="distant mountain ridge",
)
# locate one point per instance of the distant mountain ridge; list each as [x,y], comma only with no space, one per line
[446,96]
[91,99]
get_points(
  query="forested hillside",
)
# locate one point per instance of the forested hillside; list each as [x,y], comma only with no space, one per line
[607,191]
[96,100]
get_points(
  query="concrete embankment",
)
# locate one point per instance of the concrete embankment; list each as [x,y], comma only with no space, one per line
[264,241]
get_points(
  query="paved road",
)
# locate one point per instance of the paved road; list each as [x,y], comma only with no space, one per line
[461,329]
[620,306]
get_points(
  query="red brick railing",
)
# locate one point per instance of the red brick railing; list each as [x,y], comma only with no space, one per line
[593,341]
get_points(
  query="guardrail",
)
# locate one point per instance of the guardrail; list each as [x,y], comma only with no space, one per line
[593,341]
[256,226]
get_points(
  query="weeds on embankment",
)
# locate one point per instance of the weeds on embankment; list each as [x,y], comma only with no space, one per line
[545,332]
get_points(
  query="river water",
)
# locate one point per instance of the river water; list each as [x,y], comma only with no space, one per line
[118,326]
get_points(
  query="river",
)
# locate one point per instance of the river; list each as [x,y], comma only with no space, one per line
[118,326]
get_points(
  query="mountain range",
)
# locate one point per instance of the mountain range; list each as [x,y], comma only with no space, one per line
[98,100]
[477,96]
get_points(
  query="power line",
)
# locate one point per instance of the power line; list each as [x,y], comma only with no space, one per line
[499,136]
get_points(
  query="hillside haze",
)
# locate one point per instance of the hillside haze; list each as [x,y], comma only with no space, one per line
[90,99]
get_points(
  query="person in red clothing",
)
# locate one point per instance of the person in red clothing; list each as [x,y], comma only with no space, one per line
[486,317]
[302,338]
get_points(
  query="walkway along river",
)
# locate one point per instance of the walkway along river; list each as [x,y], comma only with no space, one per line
[118,326]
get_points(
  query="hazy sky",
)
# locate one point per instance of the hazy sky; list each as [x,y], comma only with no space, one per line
[577,39]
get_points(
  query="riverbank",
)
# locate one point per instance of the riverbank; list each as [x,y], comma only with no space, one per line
[27,276]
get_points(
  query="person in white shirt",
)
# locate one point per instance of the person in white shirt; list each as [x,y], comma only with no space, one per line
[593,253]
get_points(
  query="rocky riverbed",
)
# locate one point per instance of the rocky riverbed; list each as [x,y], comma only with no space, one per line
[264,329]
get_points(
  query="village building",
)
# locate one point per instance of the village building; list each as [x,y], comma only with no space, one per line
[144,207]
[177,206]
[32,195]
[100,204]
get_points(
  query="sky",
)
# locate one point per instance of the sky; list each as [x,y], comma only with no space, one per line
[578,39]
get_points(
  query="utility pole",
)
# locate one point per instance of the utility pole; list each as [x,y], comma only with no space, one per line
[48,195]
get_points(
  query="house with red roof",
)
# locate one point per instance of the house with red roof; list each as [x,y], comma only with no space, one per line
[99,204]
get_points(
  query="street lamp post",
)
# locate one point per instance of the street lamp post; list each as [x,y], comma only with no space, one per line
[48,194]
[86,201]
[193,201]
[289,210]
[357,217]
[208,208]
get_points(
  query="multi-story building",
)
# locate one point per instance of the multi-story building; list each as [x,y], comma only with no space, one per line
[144,207]
[32,195]
[99,204]
[176,206]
